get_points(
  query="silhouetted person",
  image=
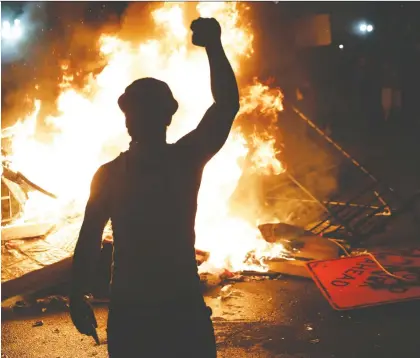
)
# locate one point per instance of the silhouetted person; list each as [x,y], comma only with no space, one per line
[150,195]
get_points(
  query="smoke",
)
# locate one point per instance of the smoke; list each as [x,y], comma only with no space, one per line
[32,18]
[18,60]
[75,43]
[137,23]
[54,34]
[296,196]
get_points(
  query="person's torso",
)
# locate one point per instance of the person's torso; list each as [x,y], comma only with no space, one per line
[153,207]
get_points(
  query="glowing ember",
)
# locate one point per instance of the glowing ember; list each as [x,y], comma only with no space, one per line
[90,131]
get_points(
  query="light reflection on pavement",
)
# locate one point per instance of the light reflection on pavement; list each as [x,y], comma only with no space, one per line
[276,318]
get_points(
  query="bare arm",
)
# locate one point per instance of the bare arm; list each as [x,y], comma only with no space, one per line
[90,238]
[213,130]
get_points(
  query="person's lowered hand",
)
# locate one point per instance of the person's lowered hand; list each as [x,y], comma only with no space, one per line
[82,315]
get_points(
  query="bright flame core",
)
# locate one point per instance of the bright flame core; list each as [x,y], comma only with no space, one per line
[91,131]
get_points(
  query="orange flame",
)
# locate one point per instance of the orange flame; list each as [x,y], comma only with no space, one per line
[90,130]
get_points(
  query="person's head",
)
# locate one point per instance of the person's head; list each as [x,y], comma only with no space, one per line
[148,105]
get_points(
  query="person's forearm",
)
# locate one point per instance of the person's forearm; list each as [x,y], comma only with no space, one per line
[85,258]
[223,82]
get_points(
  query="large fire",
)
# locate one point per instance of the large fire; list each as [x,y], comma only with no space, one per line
[90,130]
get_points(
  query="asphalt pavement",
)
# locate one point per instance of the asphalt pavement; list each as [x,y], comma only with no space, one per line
[282,318]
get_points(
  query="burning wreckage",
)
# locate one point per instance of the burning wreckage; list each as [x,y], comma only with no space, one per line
[42,208]
[37,254]
[34,254]
[37,246]
[42,202]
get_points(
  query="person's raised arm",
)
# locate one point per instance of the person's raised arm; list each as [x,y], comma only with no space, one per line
[87,252]
[213,130]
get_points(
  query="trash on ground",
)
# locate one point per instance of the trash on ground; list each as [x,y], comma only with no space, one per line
[308,327]
[288,267]
[225,292]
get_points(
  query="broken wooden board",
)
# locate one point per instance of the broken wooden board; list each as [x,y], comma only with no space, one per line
[26,230]
[358,281]
[40,278]
[272,232]
[300,244]
[15,189]
[35,264]
[288,267]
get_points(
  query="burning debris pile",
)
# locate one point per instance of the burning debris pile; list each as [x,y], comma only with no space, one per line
[62,154]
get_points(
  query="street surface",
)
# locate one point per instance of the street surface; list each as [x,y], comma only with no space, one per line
[283,318]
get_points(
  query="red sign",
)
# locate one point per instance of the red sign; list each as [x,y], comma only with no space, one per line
[358,281]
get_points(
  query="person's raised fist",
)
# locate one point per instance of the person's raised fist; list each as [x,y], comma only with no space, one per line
[206,32]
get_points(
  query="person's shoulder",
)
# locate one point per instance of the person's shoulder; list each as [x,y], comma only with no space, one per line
[174,149]
[105,171]
[111,164]
[182,149]
[188,155]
